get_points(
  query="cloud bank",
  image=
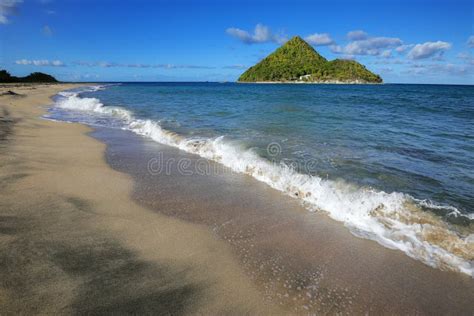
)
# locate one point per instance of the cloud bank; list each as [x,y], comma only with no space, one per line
[357,35]
[7,7]
[42,62]
[467,58]
[105,64]
[440,69]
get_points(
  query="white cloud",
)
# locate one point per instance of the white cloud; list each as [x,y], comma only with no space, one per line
[403,48]
[261,34]
[337,49]
[42,62]
[83,63]
[386,53]
[106,64]
[57,63]
[239,67]
[319,39]
[357,35]
[390,62]
[470,41]
[7,7]
[47,31]
[348,57]
[466,57]
[437,69]
[386,70]
[428,49]
[373,46]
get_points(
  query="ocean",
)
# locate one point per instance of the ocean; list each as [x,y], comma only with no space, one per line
[392,162]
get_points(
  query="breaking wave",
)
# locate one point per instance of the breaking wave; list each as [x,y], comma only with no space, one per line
[395,220]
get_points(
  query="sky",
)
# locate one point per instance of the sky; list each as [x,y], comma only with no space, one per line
[403,41]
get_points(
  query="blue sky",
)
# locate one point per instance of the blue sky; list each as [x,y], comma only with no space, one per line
[403,41]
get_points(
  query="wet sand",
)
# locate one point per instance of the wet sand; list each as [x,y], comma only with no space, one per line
[301,260]
[72,240]
[79,237]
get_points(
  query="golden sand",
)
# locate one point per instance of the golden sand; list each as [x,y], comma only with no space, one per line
[73,241]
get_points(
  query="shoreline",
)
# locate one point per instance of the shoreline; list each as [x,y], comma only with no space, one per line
[299,259]
[74,242]
[450,251]
[195,230]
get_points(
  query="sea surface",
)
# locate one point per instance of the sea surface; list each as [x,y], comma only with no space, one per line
[393,163]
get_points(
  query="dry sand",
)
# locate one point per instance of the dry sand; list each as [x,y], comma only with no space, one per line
[72,241]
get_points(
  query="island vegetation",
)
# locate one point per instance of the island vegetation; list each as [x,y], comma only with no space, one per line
[297,61]
[36,77]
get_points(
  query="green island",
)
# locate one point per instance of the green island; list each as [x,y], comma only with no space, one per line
[298,62]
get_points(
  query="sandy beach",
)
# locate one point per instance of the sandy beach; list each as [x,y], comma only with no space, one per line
[85,228]
[72,240]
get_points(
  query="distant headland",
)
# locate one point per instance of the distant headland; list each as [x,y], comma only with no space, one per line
[298,62]
[37,77]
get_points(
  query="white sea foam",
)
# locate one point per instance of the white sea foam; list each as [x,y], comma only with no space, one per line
[394,220]
[72,101]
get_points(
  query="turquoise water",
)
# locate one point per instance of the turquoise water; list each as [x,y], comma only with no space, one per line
[354,151]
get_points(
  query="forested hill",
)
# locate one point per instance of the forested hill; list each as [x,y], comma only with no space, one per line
[297,61]
[5,77]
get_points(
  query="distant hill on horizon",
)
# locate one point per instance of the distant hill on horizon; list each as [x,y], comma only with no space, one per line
[5,77]
[297,61]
